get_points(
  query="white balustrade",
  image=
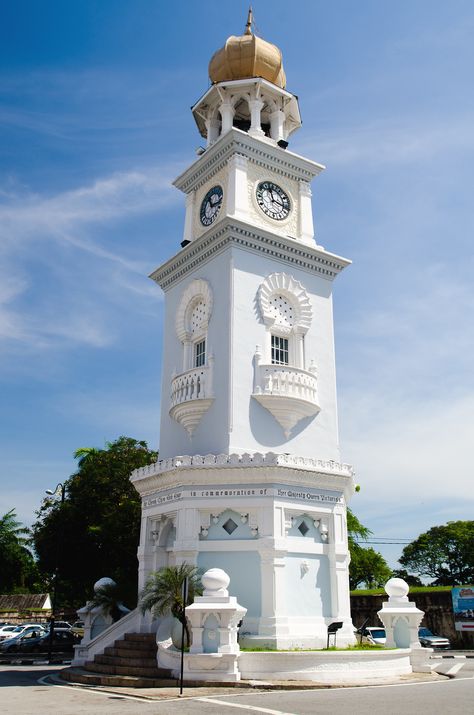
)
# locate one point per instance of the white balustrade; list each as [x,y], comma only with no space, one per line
[287,381]
[191,385]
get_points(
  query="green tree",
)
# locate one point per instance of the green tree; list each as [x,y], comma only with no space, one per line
[443,553]
[163,592]
[368,567]
[355,529]
[18,571]
[97,527]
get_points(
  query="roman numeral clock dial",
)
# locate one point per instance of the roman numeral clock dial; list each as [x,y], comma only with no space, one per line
[211,205]
[273,201]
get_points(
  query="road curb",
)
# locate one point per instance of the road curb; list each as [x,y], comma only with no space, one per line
[213,688]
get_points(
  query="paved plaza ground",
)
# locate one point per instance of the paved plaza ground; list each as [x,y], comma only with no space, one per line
[37,690]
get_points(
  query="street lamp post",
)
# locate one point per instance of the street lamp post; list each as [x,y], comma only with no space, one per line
[60,490]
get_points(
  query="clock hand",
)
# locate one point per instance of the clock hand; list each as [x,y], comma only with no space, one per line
[277,198]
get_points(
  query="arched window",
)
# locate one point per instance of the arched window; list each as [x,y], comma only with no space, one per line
[286,312]
[192,321]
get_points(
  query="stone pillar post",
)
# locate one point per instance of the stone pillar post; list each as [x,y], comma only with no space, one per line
[209,391]
[187,354]
[237,199]
[273,621]
[277,125]
[188,218]
[306,227]
[256,106]
[213,126]
[214,619]
[400,616]
[227,113]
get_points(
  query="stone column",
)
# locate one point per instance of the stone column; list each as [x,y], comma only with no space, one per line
[306,227]
[227,113]
[213,126]
[256,106]
[187,354]
[189,216]
[274,620]
[237,201]
[277,125]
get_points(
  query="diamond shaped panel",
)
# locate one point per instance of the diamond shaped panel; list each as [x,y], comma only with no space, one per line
[230,526]
[303,528]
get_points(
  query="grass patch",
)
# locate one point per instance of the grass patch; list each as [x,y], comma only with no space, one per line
[413,589]
[357,646]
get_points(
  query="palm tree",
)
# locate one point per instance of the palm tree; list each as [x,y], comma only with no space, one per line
[18,569]
[11,530]
[163,592]
[82,454]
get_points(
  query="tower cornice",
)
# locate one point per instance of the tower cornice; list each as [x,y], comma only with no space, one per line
[269,468]
[231,232]
[262,151]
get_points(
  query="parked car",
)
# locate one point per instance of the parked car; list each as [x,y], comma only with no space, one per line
[17,630]
[78,628]
[63,641]
[374,635]
[62,625]
[431,640]
[6,630]
[16,642]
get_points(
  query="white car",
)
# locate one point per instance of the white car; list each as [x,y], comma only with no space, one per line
[375,635]
[6,631]
[20,630]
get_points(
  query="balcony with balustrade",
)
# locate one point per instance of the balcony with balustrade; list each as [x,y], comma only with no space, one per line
[288,393]
[191,396]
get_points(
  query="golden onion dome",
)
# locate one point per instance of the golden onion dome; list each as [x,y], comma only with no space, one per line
[247,56]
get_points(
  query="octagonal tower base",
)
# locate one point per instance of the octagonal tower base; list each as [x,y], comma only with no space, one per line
[275,523]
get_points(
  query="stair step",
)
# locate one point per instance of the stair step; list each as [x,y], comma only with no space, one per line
[79,675]
[139,662]
[154,672]
[144,637]
[136,645]
[129,652]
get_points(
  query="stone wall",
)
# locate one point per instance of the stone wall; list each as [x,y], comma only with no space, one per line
[437,606]
[19,617]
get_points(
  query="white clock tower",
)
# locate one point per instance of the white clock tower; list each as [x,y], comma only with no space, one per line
[249,478]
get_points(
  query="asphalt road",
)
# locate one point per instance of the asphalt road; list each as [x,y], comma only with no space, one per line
[24,691]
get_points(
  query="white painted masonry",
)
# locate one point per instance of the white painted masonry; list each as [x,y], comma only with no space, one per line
[249,478]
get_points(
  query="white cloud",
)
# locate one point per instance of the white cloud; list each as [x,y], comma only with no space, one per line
[413,462]
[417,450]
[93,104]
[48,224]
[107,200]
[413,338]
[383,142]
[407,406]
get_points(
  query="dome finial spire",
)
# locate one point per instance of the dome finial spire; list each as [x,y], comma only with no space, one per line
[247,57]
[248,26]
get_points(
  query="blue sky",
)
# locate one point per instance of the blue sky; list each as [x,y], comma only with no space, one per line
[95,124]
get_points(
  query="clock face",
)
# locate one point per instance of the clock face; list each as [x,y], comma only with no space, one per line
[210,205]
[273,201]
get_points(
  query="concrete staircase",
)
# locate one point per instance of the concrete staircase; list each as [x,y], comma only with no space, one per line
[130,662]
